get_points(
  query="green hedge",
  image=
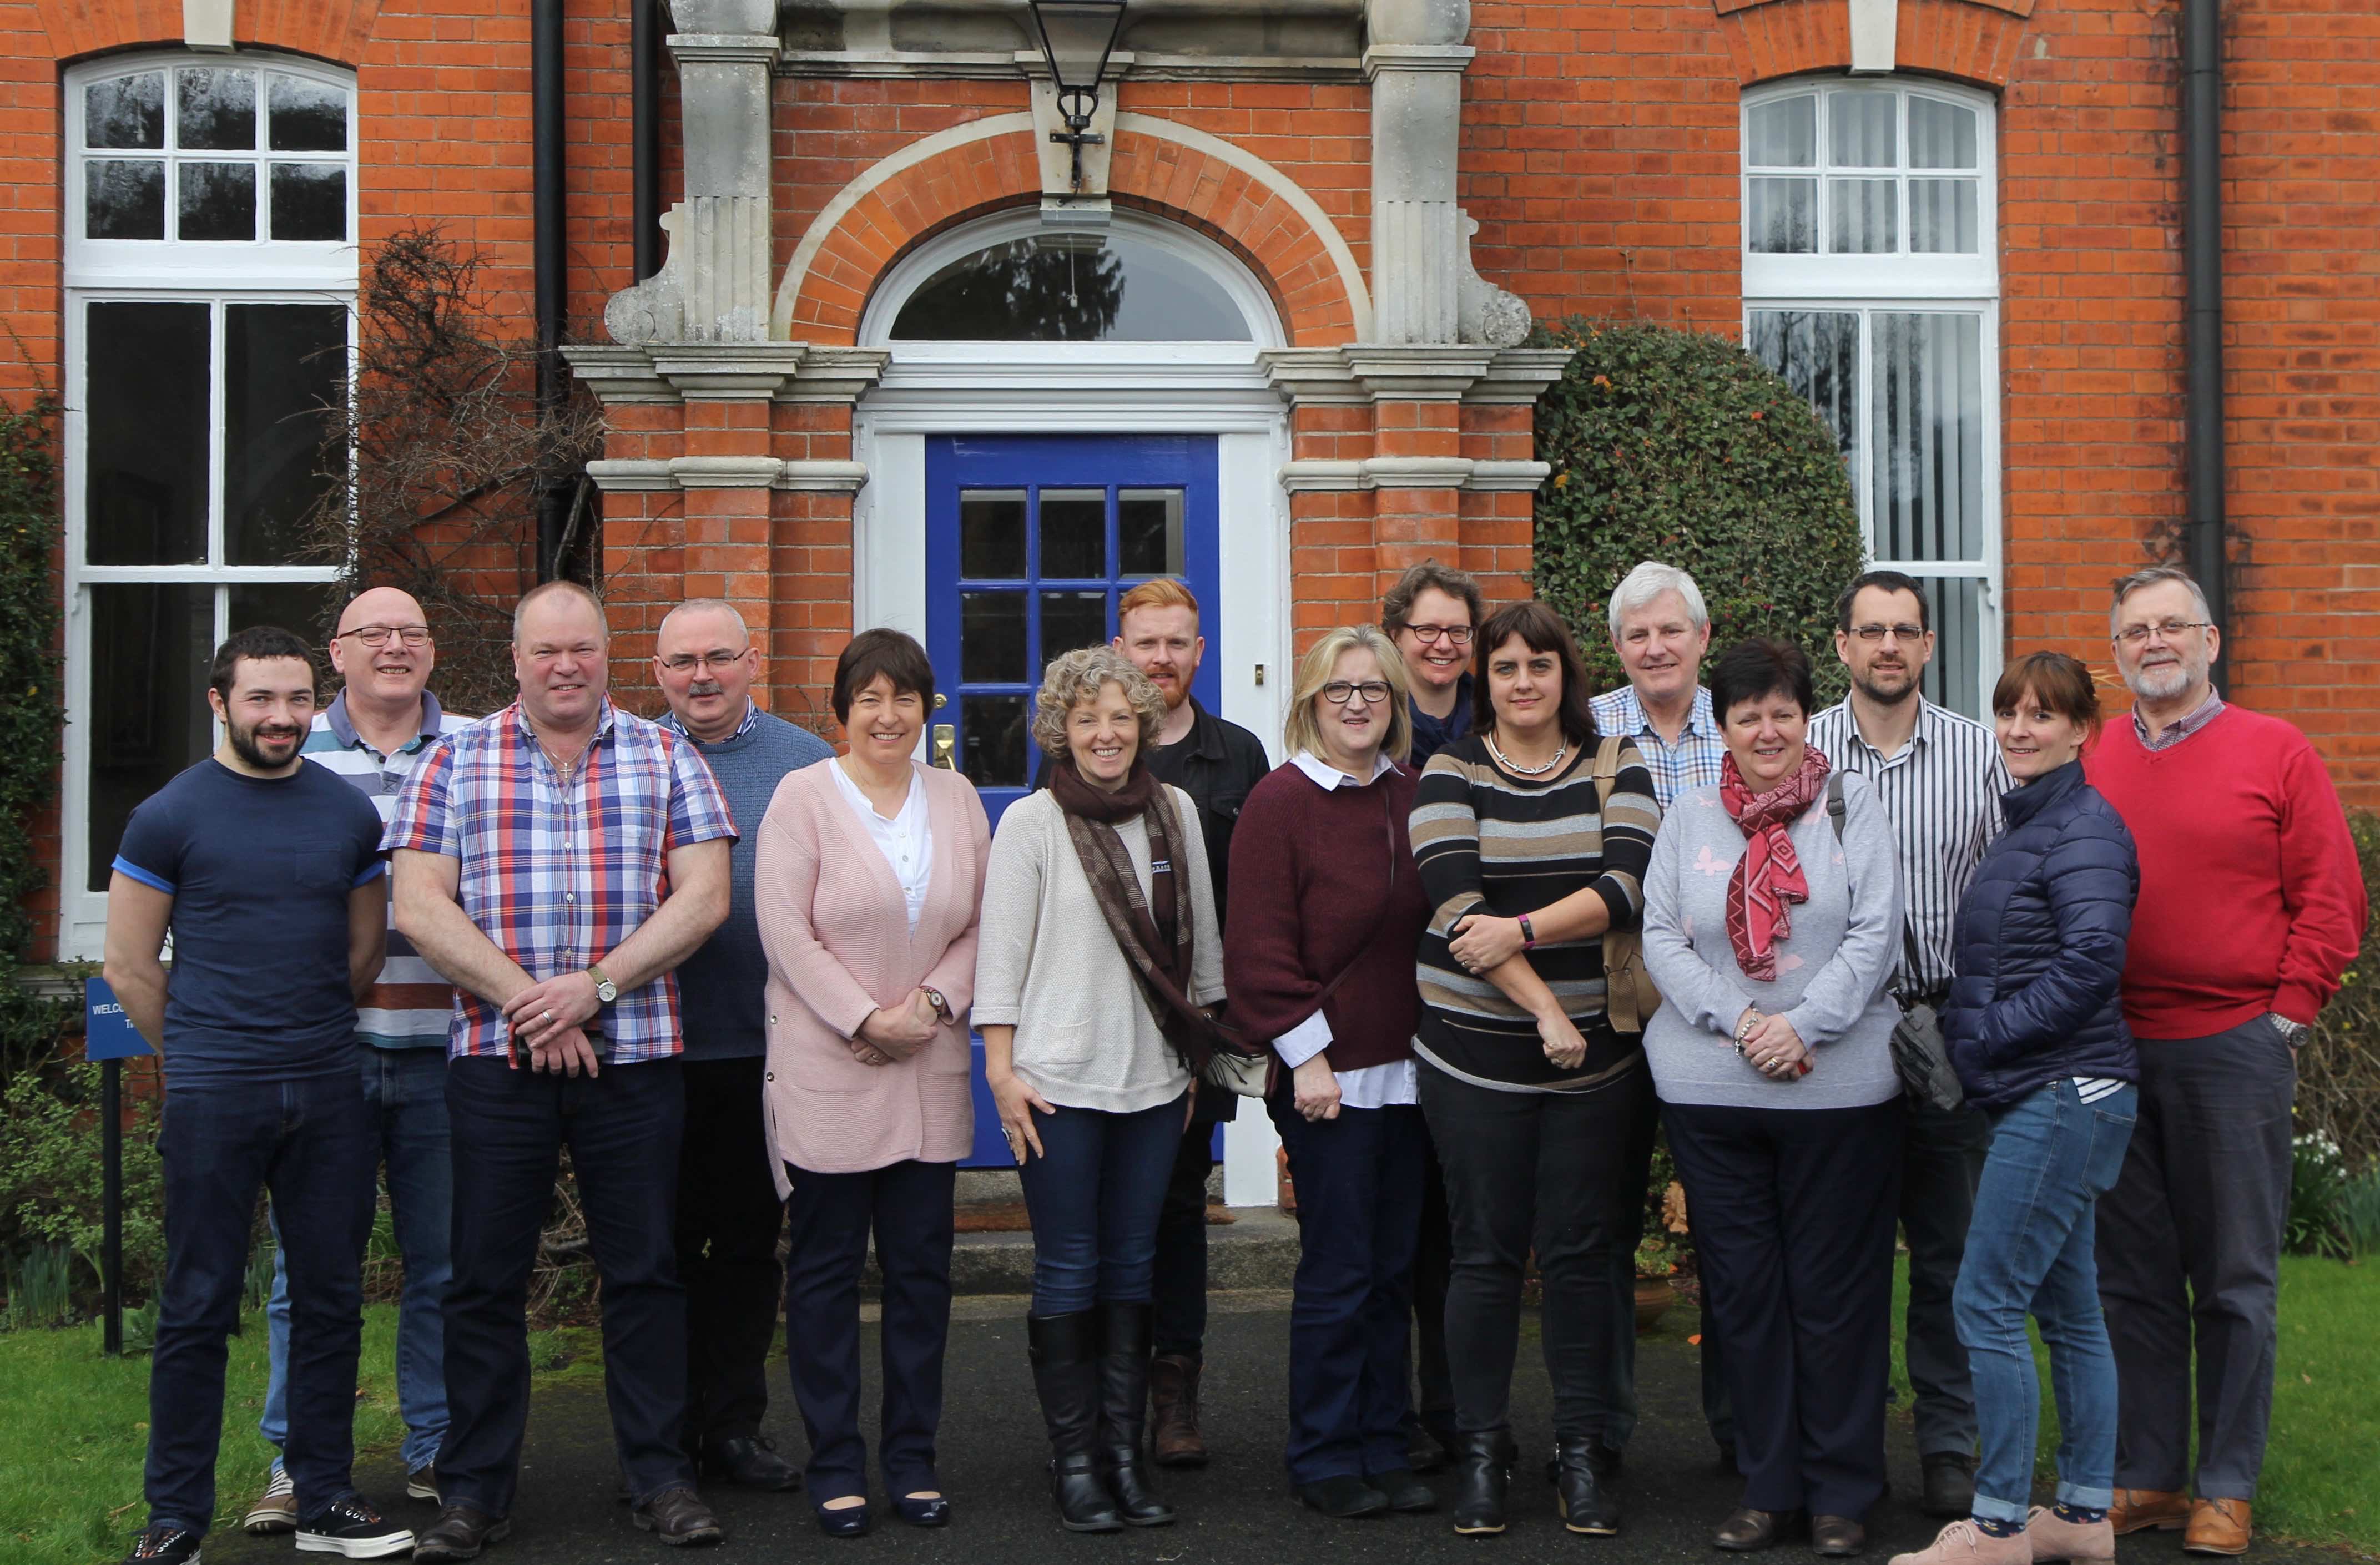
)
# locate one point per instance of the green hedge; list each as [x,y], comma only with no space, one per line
[2338,1071]
[1679,446]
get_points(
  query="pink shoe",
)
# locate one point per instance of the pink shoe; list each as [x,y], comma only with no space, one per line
[1964,1543]
[2054,1537]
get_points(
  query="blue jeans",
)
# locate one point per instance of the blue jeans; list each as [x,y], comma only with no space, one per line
[309,1143]
[2029,1250]
[406,1091]
[1093,1197]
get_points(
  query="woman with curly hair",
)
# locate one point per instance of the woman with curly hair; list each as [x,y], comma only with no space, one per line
[1099,959]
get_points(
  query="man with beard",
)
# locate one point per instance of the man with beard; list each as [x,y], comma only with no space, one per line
[255,863]
[1216,763]
[555,862]
[1941,778]
[728,1211]
[373,732]
[2238,825]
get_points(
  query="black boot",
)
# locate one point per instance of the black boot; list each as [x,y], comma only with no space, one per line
[1483,1466]
[1126,1332]
[1067,1375]
[1586,1506]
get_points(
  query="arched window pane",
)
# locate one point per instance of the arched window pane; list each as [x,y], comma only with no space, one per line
[1074,288]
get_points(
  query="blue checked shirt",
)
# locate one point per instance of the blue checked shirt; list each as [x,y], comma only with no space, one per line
[1692,762]
[559,878]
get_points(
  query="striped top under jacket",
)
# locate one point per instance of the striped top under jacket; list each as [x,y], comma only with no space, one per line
[1487,840]
[409,1005]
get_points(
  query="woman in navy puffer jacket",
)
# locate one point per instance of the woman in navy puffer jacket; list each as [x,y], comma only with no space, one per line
[2039,1040]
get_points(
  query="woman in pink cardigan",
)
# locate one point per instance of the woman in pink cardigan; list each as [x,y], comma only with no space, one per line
[868,884]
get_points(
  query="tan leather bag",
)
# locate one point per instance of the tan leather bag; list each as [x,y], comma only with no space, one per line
[1629,999]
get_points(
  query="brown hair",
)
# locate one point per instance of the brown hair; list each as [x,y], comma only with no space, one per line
[1397,607]
[2061,683]
[1540,630]
[882,654]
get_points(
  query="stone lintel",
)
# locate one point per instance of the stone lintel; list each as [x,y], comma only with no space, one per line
[1519,375]
[1455,58]
[1341,475]
[725,472]
[726,48]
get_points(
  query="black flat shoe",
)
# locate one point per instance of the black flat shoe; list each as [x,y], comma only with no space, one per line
[1483,1468]
[1579,1493]
[1837,1537]
[1342,1496]
[844,1521]
[1430,1443]
[922,1512]
[1749,1530]
[1407,1495]
[1949,1491]
[750,1461]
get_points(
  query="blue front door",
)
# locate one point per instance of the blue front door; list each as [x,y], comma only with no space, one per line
[1029,541]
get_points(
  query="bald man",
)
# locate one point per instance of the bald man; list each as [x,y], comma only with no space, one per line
[728,1212]
[371,734]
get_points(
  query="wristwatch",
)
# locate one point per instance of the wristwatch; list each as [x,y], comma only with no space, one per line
[605,990]
[934,998]
[1528,935]
[2292,1033]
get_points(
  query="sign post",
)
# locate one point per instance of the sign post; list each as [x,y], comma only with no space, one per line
[110,1037]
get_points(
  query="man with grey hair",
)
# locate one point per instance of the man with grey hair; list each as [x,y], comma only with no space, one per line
[728,1211]
[2235,817]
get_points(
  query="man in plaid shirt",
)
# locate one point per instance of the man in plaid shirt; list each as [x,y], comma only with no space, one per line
[554,862]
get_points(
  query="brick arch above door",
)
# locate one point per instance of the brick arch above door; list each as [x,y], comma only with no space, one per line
[328,30]
[1290,243]
[1974,40]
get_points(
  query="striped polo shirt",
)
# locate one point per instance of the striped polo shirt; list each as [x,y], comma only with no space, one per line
[410,1006]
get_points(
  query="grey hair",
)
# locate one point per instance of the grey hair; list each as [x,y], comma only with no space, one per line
[1648,581]
[1077,676]
[700,605]
[2153,576]
[559,587]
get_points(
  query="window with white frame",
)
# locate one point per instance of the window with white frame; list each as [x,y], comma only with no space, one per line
[1871,283]
[211,278]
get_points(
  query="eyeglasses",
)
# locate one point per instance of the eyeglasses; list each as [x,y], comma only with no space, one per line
[713,662]
[1456,634]
[1897,632]
[1339,692]
[2164,630]
[378,635]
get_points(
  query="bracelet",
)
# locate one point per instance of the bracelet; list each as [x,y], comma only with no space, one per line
[1528,936]
[1743,1030]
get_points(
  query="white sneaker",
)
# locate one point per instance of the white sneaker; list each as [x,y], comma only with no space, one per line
[275,1510]
[351,1527]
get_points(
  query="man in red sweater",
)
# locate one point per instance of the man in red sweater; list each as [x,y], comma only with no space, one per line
[2250,906]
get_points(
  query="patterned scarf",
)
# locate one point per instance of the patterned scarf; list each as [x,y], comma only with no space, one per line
[1768,877]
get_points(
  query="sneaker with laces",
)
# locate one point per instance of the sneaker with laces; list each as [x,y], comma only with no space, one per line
[352,1528]
[275,1510]
[164,1545]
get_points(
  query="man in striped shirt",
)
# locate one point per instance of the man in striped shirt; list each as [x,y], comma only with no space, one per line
[1941,778]
[371,734]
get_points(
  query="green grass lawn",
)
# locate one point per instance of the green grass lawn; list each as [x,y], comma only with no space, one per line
[2322,1471]
[77,1425]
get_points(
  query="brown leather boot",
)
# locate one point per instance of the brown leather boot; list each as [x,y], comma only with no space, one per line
[2217,1526]
[1173,1438]
[2136,1510]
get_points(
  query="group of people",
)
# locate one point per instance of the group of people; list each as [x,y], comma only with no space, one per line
[1476,941]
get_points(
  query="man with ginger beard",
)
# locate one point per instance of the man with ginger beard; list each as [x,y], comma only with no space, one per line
[728,1211]
[255,862]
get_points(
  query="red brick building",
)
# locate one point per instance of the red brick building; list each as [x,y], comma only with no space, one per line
[900,369]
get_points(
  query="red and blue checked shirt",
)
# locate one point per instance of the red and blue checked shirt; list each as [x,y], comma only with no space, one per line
[558,877]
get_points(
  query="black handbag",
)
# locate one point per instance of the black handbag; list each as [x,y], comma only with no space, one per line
[1919,1053]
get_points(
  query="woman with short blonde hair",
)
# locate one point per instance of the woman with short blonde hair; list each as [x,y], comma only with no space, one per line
[1303,728]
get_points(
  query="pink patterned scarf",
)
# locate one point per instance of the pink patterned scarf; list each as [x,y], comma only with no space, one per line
[1768,877]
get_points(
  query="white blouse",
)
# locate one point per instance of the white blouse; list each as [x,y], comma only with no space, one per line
[906,840]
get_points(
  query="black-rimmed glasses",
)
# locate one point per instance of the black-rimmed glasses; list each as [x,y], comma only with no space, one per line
[378,635]
[1339,692]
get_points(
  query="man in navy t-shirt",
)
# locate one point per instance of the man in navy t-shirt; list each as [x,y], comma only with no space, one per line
[267,874]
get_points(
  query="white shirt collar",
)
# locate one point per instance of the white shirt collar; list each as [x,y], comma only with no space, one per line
[1327,776]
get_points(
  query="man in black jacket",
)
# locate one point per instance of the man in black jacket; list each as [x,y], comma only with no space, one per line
[1216,763]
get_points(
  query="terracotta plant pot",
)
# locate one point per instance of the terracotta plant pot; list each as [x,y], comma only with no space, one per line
[1654,1297]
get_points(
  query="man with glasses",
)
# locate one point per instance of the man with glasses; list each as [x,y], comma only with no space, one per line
[370,735]
[2250,906]
[1941,778]
[1430,614]
[728,1212]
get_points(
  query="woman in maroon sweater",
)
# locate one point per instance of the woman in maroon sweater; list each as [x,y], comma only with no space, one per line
[1319,959]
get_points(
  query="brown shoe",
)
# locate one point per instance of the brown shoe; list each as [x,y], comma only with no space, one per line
[1837,1537]
[2136,1510]
[1173,1438]
[2217,1526]
[1749,1531]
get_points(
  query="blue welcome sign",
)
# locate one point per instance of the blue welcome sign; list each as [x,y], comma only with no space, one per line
[108,1033]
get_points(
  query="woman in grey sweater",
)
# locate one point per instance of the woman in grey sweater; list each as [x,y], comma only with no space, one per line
[1099,958]
[1772,918]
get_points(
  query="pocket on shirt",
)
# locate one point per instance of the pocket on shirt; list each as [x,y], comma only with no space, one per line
[1055,1045]
[318,867]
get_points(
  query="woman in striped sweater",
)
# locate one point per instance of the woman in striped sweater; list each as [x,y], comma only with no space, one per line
[1527,1090]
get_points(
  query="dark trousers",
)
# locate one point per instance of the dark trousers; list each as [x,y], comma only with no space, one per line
[1093,1197]
[728,1218]
[1358,1182]
[311,1143]
[907,1207]
[1178,1289]
[1942,1162]
[2189,1245]
[510,1127]
[1533,1170]
[1433,1270]
[1619,1366]
[1793,1213]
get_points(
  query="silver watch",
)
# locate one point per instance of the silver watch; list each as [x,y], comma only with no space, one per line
[2292,1033]
[605,991]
